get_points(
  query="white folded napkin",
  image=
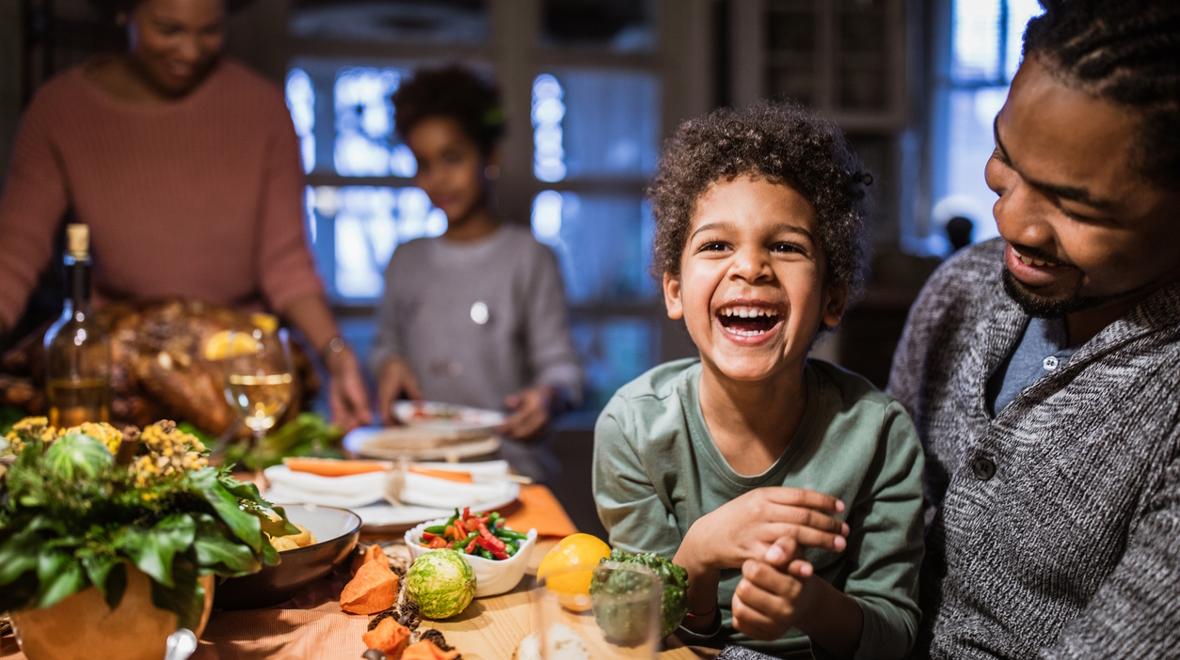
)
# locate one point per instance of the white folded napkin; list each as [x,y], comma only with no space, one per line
[431,491]
[287,486]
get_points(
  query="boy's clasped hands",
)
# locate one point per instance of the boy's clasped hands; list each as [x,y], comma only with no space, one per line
[764,533]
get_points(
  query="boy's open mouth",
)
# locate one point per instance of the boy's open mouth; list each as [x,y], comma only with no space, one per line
[748,320]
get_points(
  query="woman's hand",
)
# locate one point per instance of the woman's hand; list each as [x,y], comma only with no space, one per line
[395,378]
[746,527]
[530,411]
[347,397]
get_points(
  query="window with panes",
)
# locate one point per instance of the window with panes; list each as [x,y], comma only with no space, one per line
[983,40]
[583,92]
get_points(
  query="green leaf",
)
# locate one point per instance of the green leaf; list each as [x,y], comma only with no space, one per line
[186,597]
[60,575]
[270,556]
[274,520]
[98,565]
[242,524]
[116,585]
[152,550]
[217,552]
[18,555]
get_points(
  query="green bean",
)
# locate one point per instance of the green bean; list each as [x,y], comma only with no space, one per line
[437,529]
[483,552]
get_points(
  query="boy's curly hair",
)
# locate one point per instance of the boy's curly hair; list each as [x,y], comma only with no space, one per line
[782,143]
[451,91]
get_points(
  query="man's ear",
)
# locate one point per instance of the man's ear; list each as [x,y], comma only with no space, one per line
[835,303]
[672,300]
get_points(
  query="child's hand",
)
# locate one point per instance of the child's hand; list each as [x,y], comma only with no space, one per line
[530,412]
[776,593]
[395,378]
[747,526]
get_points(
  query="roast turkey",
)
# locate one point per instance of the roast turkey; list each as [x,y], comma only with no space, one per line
[158,369]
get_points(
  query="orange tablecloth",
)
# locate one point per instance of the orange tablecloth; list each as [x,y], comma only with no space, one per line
[540,509]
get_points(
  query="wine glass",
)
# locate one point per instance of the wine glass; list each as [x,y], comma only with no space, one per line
[258,381]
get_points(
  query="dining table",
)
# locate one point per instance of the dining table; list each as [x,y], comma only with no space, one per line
[312,625]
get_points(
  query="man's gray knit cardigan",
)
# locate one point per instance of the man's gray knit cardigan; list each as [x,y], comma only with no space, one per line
[1053,528]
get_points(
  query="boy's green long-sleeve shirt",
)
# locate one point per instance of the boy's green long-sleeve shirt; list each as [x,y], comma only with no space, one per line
[656,471]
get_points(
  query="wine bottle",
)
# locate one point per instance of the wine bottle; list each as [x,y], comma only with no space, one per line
[77,347]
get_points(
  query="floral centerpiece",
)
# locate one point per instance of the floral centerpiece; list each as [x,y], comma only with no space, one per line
[84,506]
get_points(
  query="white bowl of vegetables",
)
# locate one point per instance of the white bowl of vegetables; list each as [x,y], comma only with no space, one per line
[498,558]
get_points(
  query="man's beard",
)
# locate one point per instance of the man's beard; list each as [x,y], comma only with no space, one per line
[1042,307]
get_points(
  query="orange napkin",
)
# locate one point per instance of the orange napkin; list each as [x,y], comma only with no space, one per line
[539,508]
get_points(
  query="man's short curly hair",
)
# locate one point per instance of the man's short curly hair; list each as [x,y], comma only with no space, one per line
[782,143]
[456,92]
[109,9]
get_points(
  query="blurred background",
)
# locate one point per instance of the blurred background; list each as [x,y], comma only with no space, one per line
[591,88]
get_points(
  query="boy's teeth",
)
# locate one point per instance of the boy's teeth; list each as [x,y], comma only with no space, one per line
[747,312]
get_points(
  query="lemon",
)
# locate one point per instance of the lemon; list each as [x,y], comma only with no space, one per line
[228,344]
[265,322]
[569,566]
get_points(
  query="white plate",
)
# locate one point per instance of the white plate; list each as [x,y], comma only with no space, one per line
[447,417]
[387,516]
[396,442]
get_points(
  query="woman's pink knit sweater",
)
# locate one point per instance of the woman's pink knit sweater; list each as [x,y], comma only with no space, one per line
[197,198]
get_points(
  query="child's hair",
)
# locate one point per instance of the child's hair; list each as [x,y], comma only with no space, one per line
[456,92]
[782,143]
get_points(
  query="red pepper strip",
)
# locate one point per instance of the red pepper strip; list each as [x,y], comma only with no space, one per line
[466,513]
[461,528]
[427,536]
[486,544]
[471,546]
[495,543]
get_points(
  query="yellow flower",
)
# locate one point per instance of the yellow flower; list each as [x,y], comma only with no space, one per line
[171,452]
[33,424]
[103,432]
[34,428]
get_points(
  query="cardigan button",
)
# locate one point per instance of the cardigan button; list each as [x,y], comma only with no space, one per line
[983,468]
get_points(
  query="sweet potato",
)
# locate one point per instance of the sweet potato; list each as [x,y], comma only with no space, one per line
[426,650]
[371,553]
[372,589]
[333,467]
[449,475]
[390,637]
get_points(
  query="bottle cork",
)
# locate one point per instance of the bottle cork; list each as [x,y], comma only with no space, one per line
[78,240]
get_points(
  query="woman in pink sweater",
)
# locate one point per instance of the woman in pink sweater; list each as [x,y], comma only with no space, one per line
[186,167]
